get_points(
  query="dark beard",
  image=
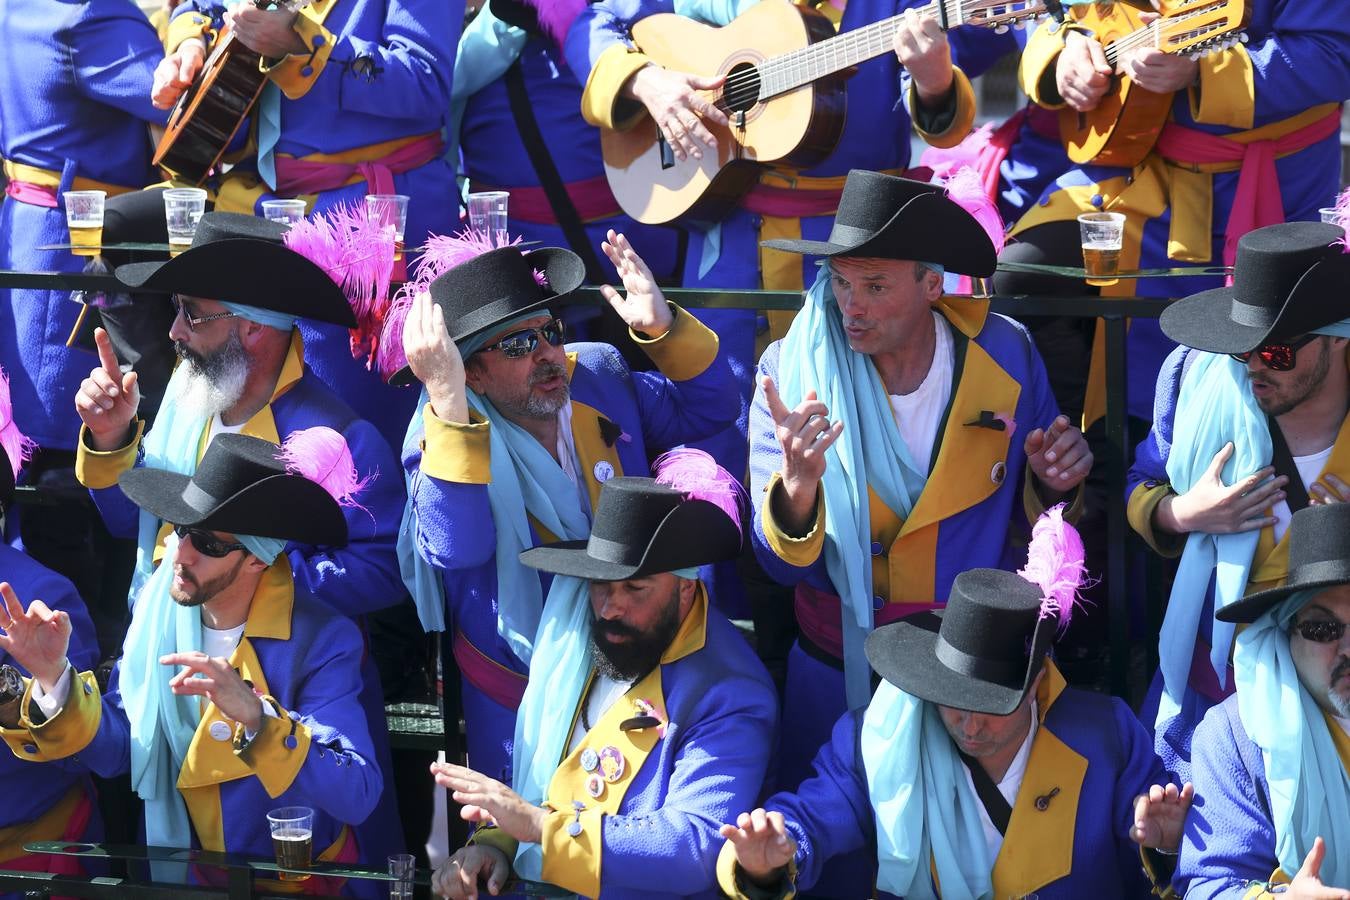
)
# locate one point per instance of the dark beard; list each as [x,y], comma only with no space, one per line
[634,658]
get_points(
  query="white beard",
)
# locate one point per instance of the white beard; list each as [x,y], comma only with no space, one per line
[207,397]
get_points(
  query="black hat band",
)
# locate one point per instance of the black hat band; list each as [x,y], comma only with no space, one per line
[607,550]
[1253,315]
[978,667]
[199,499]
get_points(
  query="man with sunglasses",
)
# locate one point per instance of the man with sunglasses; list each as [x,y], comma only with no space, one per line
[237,689]
[1249,426]
[1272,763]
[514,440]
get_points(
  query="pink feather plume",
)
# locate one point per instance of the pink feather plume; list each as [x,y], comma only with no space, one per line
[966,189]
[946,161]
[1342,218]
[358,254]
[322,455]
[18,447]
[556,16]
[1055,565]
[698,476]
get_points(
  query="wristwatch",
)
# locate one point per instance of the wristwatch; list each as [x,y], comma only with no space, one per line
[11,695]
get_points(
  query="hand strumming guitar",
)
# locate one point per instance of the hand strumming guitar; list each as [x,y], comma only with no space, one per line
[1082,74]
[1154,70]
[922,48]
[175,72]
[270,32]
[679,110]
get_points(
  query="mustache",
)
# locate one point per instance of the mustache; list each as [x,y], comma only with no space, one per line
[616,629]
[1342,669]
[546,370]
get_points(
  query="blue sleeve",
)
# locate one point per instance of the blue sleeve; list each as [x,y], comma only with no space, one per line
[412,63]
[109,753]
[677,412]
[830,814]
[1140,769]
[606,23]
[976,48]
[455,528]
[115,51]
[1303,59]
[1150,457]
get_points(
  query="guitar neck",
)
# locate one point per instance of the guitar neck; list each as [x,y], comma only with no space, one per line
[1143,36]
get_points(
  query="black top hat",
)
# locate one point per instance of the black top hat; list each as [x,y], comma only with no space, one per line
[481,293]
[642,528]
[981,653]
[898,218]
[1319,557]
[1288,279]
[240,487]
[241,259]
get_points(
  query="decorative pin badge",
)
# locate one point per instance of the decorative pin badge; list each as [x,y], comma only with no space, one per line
[999,472]
[603,471]
[595,786]
[574,826]
[590,760]
[1043,801]
[220,731]
[646,716]
[611,763]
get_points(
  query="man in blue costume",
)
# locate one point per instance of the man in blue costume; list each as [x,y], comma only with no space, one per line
[518,434]
[975,771]
[237,690]
[652,722]
[1272,762]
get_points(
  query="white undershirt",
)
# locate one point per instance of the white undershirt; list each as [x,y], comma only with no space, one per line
[1309,467]
[567,455]
[605,692]
[1008,786]
[919,413]
[219,427]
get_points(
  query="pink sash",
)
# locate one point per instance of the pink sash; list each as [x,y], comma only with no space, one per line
[58,864]
[500,684]
[592,198]
[819,617]
[32,194]
[307,176]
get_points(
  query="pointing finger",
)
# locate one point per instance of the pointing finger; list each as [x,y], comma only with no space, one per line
[107,357]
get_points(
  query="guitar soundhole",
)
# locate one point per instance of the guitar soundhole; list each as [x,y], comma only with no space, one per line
[741,91]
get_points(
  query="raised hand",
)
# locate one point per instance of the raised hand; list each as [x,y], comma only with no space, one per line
[1307,884]
[673,101]
[1160,816]
[458,877]
[176,72]
[1059,456]
[1082,73]
[215,679]
[435,359]
[644,309]
[763,846]
[922,48]
[487,800]
[107,400]
[1213,507]
[37,639]
[804,434]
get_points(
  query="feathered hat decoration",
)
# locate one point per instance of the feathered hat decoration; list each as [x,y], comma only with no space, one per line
[440,254]
[358,254]
[698,476]
[966,189]
[1055,565]
[18,447]
[1342,218]
[556,16]
[322,455]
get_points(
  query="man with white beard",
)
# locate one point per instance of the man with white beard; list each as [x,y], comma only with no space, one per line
[238,292]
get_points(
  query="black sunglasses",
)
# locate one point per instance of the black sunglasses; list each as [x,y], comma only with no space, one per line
[526,341]
[206,544]
[1321,631]
[1277,357]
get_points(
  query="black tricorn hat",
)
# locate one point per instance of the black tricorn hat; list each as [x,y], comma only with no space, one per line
[481,293]
[1288,279]
[240,487]
[1319,557]
[888,217]
[981,653]
[642,528]
[241,259]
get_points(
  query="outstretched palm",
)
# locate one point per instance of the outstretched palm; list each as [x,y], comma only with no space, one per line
[36,639]
[644,309]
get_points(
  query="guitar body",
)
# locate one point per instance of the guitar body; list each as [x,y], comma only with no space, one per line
[210,112]
[797,128]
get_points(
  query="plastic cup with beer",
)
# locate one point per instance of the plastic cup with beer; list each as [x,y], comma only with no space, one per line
[287,212]
[292,840]
[183,208]
[84,218]
[1101,233]
[487,213]
[390,211]
[402,868]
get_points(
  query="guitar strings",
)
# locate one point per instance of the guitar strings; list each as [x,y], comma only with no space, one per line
[1148,33]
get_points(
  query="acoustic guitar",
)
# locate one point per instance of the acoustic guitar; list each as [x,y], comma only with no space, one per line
[784,94]
[1123,128]
[213,108]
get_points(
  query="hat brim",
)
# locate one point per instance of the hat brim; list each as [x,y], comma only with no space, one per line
[571,558]
[905,654]
[1253,606]
[228,270]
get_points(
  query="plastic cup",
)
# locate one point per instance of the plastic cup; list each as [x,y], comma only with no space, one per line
[292,839]
[390,211]
[487,213]
[183,208]
[84,218]
[287,212]
[1102,234]
[403,867]
[1328,214]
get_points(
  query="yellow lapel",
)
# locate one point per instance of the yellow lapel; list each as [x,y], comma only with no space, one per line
[1038,848]
[597,462]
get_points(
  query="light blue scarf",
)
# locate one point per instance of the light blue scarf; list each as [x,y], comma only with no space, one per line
[1308,783]
[870,452]
[487,48]
[922,803]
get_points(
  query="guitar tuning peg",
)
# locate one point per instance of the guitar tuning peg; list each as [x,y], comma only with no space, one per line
[1000,29]
[1242,37]
[1020,24]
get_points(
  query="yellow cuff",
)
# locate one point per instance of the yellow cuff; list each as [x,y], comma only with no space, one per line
[70,730]
[188,25]
[573,862]
[455,452]
[602,104]
[795,551]
[727,871]
[97,469]
[1226,94]
[295,74]
[961,122]
[1036,71]
[683,352]
[276,752]
[1139,513]
[492,836]
[1034,506]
